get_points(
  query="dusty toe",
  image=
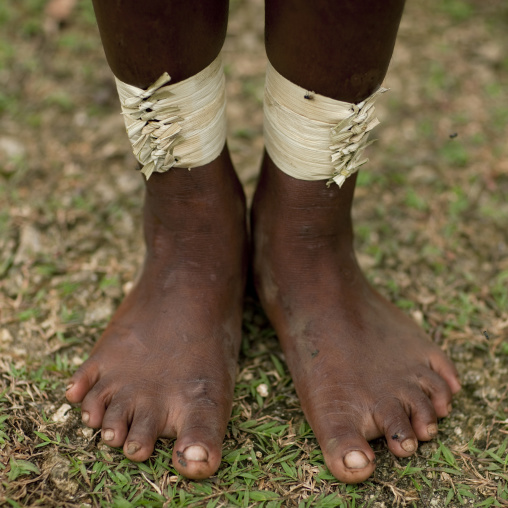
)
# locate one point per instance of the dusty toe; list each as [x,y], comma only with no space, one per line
[348,456]
[115,422]
[423,415]
[438,391]
[193,462]
[94,406]
[197,452]
[197,461]
[392,419]
[82,382]
[443,366]
[146,426]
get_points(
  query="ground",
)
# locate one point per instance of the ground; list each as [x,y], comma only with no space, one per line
[431,222]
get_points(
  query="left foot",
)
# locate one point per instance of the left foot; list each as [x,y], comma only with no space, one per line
[361,367]
[165,366]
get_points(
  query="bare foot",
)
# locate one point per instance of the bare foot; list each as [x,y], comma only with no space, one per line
[166,364]
[361,367]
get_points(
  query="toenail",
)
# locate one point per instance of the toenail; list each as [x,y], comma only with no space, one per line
[409,445]
[85,416]
[196,453]
[132,448]
[449,408]
[69,386]
[356,460]
[108,435]
[432,430]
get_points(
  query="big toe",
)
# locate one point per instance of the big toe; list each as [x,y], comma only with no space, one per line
[349,458]
[197,452]
[193,462]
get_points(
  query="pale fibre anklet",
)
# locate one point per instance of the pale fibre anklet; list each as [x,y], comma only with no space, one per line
[181,125]
[312,137]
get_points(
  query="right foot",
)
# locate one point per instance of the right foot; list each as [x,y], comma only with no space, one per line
[166,364]
[362,369]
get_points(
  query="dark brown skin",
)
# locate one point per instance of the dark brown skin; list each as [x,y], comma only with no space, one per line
[144,39]
[340,49]
[362,369]
[165,366]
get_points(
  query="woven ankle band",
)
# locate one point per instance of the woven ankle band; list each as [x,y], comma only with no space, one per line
[181,125]
[312,137]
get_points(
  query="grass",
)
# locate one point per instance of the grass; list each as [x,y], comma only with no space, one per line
[267,460]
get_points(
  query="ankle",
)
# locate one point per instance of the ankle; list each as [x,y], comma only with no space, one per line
[206,197]
[303,212]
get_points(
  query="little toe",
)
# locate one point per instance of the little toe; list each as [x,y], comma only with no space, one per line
[197,451]
[393,421]
[443,366]
[82,382]
[348,455]
[439,392]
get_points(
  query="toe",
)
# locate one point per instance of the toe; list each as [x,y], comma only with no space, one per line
[197,452]
[94,406]
[393,420]
[145,428]
[82,382]
[347,454]
[115,422]
[423,416]
[439,392]
[445,368]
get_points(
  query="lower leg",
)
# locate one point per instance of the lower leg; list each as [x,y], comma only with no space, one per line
[144,39]
[362,369]
[165,366]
